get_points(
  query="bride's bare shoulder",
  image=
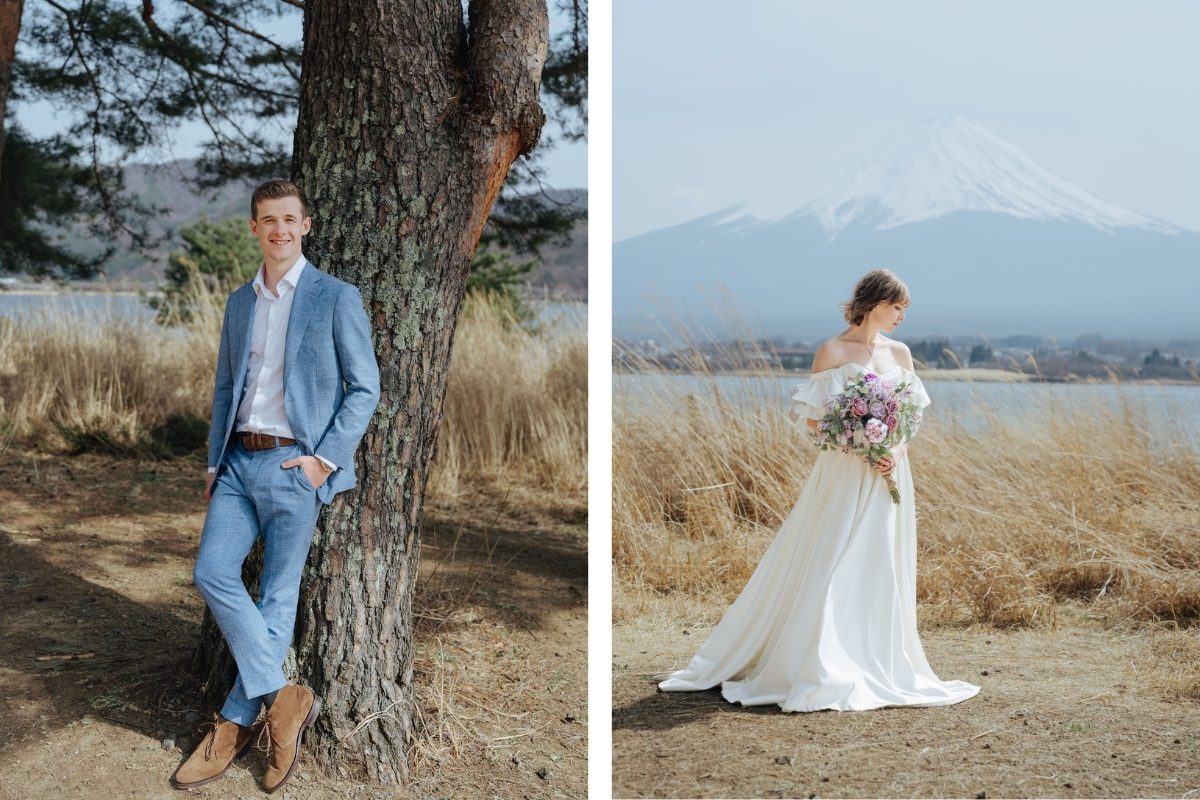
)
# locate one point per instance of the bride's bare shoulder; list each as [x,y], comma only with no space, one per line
[830,355]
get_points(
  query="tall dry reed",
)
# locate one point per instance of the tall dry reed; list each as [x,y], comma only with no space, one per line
[516,403]
[1075,502]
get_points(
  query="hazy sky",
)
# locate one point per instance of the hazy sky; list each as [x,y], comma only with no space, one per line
[761,102]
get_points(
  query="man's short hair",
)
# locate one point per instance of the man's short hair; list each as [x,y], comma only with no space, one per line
[274,190]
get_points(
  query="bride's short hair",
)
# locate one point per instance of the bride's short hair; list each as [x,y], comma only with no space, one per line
[877,287]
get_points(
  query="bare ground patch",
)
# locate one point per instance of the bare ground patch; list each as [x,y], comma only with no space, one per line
[1087,709]
[98,619]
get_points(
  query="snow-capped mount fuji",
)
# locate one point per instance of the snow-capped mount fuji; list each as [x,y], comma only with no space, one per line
[987,239]
[950,165]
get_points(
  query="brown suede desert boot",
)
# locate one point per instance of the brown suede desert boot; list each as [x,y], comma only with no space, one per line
[209,761]
[294,710]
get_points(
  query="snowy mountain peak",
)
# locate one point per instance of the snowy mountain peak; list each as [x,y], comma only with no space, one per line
[955,165]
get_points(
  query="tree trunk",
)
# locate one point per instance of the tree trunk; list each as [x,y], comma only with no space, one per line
[10,26]
[407,128]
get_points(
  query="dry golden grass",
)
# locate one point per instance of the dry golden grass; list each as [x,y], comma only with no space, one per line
[66,374]
[516,404]
[1079,505]
[516,407]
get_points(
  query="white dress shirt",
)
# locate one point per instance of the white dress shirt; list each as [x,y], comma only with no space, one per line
[261,409]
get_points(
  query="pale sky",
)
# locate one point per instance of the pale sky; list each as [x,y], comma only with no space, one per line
[761,102]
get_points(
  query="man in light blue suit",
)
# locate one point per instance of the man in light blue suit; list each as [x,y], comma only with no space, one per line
[297,383]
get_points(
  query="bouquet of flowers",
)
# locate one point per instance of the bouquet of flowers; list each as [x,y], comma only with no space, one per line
[868,418]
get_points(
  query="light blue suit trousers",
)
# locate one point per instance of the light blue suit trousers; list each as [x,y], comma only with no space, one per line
[255,495]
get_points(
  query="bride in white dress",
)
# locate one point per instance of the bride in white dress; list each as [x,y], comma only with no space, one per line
[828,620]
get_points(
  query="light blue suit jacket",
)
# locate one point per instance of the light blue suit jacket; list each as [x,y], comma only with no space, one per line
[330,378]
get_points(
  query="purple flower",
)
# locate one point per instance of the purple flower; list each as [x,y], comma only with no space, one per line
[892,423]
[875,431]
[859,407]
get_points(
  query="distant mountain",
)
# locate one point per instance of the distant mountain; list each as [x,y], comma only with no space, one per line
[564,267]
[954,165]
[987,239]
[165,186]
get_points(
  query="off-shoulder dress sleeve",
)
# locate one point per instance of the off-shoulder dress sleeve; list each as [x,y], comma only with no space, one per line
[806,400]
[920,396]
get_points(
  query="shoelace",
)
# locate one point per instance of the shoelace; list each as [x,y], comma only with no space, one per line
[212,738]
[264,730]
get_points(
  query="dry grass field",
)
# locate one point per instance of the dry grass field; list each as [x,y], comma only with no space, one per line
[1079,520]
[516,403]
[98,615]
[1081,501]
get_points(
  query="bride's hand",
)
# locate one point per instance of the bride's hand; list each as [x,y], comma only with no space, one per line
[888,463]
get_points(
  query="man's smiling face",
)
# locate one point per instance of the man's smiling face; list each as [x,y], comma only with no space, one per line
[279,226]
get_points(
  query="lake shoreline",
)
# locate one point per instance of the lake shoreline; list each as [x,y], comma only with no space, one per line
[968,375]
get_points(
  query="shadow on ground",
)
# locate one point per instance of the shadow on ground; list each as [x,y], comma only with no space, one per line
[99,620]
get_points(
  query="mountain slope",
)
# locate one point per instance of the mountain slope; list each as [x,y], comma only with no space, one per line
[986,238]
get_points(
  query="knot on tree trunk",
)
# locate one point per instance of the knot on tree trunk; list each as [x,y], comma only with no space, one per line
[529,127]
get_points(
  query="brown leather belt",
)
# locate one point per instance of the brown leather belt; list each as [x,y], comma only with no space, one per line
[263,441]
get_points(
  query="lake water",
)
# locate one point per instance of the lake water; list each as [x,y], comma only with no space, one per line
[953,401]
[89,305]
[93,306]
[564,313]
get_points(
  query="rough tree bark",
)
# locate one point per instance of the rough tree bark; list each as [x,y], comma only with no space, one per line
[408,123]
[10,26]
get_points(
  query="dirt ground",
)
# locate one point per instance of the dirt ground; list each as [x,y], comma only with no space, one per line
[98,620]
[1080,711]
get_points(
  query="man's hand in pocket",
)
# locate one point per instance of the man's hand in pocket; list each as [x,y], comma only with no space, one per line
[313,470]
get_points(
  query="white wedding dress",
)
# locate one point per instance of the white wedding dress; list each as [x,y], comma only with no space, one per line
[828,620]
